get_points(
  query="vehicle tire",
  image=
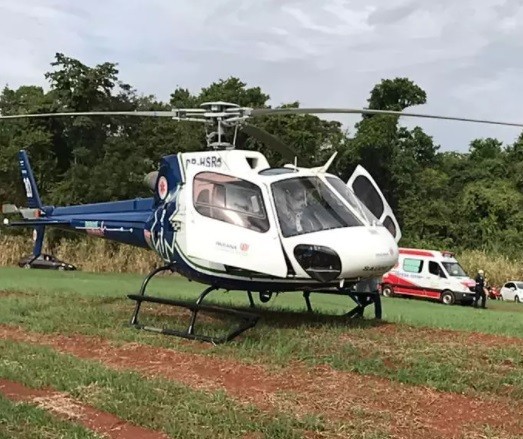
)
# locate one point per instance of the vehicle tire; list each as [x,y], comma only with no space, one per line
[516,299]
[387,291]
[265,296]
[61,268]
[27,266]
[447,297]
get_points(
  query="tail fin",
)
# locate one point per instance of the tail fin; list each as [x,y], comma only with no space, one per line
[31,190]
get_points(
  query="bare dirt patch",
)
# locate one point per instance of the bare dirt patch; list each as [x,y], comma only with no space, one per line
[446,336]
[66,407]
[407,411]
[14,294]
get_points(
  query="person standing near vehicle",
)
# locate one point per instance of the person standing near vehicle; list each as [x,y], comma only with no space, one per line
[480,290]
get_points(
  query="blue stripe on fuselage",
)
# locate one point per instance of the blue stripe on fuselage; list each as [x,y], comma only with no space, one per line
[127,207]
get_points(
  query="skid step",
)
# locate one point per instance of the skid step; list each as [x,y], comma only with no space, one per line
[247,319]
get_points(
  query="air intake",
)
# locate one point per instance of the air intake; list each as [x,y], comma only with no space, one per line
[150,180]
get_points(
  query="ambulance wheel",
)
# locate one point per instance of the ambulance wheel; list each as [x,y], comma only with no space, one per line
[387,291]
[447,297]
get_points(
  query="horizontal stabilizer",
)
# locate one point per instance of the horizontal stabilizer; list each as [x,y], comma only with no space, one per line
[8,209]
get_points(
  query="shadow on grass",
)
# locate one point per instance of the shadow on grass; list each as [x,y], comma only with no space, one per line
[215,324]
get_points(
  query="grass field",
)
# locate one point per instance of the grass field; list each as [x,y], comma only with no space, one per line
[427,370]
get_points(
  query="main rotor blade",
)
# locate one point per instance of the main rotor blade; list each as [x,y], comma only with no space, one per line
[271,141]
[269,111]
[171,114]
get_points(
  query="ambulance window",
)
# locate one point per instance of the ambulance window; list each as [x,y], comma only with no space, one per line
[231,200]
[412,265]
[435,269]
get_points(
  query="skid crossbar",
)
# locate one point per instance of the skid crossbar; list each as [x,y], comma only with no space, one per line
[247,319]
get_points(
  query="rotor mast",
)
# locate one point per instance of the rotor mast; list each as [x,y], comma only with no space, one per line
[217,114]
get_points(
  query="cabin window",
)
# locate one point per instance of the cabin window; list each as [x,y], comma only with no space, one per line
[454,269]
[349,196]
[435,269]
[365,191]
[231,200]
[388,223]
[412,265]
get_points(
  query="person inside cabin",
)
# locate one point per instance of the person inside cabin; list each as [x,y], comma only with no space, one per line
[301,203]
[285,215]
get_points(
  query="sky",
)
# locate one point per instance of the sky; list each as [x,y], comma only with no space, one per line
[465,54]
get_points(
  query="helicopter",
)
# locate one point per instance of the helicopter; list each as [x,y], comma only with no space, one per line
[225,218]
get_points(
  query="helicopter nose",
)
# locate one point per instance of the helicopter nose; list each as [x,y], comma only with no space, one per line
[348,254]
[377,255]
[320,262]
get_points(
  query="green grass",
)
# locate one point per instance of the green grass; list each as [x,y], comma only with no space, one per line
[410,352]
[151,403]
[502,318]
[24,421]
[93,305]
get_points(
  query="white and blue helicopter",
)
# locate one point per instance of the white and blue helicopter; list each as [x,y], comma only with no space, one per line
[225,218]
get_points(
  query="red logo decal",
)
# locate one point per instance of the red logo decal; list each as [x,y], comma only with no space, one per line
[244,247]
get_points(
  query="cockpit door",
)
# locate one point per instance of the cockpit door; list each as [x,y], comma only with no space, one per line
[230,221]
[366,189]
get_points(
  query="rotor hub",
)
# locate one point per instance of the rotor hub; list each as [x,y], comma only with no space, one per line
[218,116]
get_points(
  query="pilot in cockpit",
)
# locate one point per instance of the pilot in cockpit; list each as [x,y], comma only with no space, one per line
[285,214]
[295,213]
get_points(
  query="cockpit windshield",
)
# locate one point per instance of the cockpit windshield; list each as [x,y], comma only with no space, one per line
[306,205]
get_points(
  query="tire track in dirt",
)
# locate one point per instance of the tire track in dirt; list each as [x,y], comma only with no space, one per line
[412,412]
[65,407]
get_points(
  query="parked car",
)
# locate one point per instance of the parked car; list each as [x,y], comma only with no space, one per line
[45,261]
[512,290]
[494,293]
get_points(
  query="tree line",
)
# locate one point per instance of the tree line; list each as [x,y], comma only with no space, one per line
[451,200]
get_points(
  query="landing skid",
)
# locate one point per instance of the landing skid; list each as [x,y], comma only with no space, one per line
[247,319]
[362,300]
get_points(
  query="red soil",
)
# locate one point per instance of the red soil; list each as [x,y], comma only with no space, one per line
[405,411]
[66,407]
[447,336]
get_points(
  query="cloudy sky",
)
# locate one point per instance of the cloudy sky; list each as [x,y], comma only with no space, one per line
[465,54]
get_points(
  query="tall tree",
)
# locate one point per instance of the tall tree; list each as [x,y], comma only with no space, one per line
[384,148]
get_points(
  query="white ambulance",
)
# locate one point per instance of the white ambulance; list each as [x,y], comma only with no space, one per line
[428,274]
